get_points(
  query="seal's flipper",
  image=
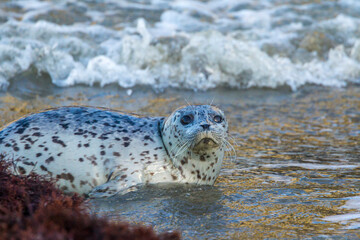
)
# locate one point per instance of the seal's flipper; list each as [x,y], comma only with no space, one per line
[116,184]
[109,189]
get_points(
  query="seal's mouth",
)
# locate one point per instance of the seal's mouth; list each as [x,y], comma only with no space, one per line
[207,141]
[205,144]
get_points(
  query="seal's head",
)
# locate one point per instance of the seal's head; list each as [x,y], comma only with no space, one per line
[194,130]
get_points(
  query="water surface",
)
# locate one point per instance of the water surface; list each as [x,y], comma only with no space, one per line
[295,173]
[286,73]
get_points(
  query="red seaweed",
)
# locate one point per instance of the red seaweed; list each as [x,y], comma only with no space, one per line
[31,207]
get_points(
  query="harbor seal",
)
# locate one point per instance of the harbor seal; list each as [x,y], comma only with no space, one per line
[101,152]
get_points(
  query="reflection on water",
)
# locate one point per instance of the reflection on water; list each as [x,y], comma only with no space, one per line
[296,173]
[169,208]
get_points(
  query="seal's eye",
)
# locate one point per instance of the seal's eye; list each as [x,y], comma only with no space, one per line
[186,119]
[218,119]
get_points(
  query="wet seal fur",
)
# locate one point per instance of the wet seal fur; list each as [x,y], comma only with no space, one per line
[103,152]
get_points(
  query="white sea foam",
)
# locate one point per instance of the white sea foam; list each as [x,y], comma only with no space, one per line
[353,203]
[311,166]
[351,220]
[342,217]
[192,46]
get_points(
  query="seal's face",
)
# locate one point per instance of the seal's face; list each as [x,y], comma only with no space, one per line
[197,129]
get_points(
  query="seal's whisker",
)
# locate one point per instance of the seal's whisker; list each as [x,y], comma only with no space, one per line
[187,102]
[232,149]
[180,149]
[234,139]
[183,149]
[182,146]
[212,101]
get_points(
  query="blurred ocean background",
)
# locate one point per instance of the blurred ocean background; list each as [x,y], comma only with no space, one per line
[286,72]
[185,44]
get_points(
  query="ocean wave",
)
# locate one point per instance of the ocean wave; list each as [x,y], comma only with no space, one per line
[180,51]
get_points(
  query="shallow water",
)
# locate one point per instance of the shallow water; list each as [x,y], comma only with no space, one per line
[286,73]
[295,173]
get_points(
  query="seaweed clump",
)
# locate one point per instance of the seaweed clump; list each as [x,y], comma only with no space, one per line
[31,207]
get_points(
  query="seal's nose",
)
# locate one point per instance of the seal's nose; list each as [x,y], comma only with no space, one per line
[205,126]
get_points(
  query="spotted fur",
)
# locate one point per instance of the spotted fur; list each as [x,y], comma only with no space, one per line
[102,152]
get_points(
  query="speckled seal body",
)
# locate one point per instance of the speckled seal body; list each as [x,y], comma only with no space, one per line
[102,152]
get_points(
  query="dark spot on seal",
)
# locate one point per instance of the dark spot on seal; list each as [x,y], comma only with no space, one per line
[86,145]
[102,153]
[27,146]
[202,158]
[198,174]
[37,134]
[174,177]
[56,140]
[184,161]
[38,154]
[49,160]
[16,149]
[43,168]
[144,153]
[123,177]
[30,140]
[22,170]
[66,176]
[126,144]
[82,183]
[106,161]
[22,125]
[93,134]
[81,159]
[103,137]
[65,125]
[116,154]
[80,132]
[29,163]
[147,137]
